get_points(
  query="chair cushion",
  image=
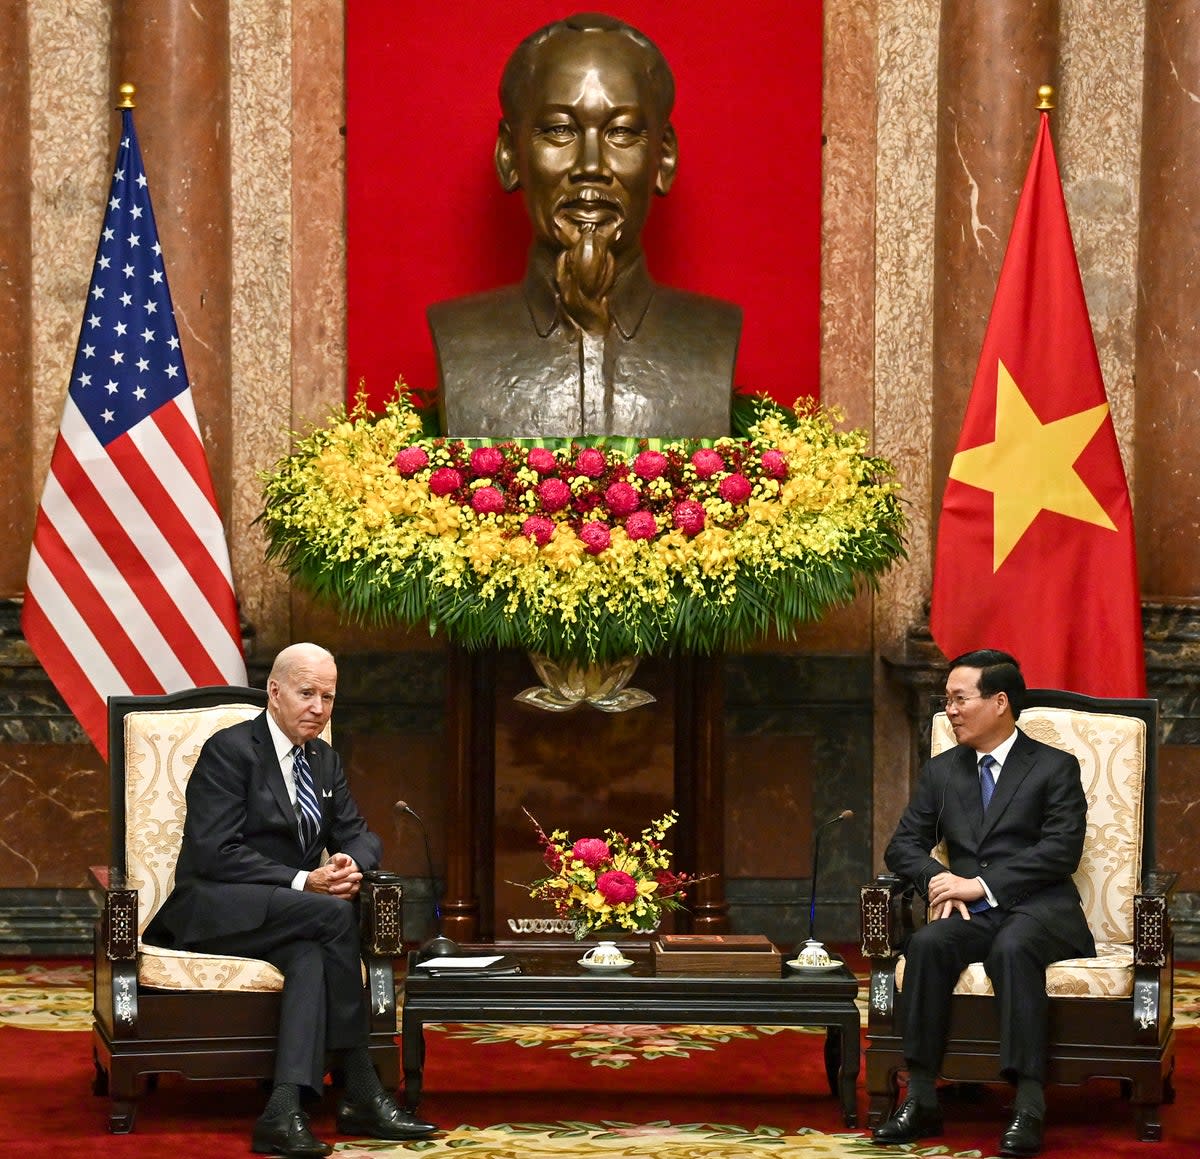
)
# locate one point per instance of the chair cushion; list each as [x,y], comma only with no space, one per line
[1108,975]
[187,970]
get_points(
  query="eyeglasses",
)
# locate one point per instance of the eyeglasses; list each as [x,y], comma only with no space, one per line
[948,702]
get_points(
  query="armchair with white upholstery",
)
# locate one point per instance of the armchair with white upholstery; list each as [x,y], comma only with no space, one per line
[1110,1016]
[200,1015]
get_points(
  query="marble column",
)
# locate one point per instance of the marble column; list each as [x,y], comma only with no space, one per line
[1167,354]
[993,57]
[16,310]
[177,54]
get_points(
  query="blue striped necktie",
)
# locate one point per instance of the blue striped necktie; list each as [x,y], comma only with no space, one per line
[987,782]
[308,809]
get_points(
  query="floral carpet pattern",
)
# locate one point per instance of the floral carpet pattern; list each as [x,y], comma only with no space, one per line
[614,1140]
[615,1045]
[46,997]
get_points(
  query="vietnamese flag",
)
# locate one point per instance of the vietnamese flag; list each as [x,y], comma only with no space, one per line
[1035,551]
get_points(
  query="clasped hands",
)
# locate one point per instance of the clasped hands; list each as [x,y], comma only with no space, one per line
[949,892]
[339,876]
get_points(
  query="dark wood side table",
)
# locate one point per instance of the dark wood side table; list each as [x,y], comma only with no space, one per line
[553,988]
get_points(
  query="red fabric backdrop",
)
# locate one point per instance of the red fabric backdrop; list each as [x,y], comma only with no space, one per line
[427,219]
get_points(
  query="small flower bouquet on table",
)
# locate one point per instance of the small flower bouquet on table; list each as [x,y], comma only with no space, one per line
[610,883]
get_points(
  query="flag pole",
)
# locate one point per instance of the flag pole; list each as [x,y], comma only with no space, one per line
[126,92]
[1045,98]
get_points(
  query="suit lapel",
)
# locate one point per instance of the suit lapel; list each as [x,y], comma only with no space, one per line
[966,783]
[320,772]
[1013,772]
[269,763]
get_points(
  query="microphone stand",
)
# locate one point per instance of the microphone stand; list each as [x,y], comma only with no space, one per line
[439,946]
[813,953]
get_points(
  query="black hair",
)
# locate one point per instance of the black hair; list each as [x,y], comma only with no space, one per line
[998,672]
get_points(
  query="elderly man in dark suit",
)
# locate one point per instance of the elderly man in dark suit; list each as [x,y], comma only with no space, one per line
[1012,813]
[588,344]
[266,800]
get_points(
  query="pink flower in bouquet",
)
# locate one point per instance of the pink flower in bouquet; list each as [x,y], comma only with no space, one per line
[596,537]
[410,460]
[542,461]
[774,464]
[650,465]
[689,516]
[622,499]
[706,462]
[445,481]
[539,529]
[641,525]
[591,851]
[734,488]
[616,886]
[487,501]
[554,494]
[591,462]
[485,461]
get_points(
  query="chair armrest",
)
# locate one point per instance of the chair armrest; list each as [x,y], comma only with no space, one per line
[886,912]
[118,918]
[1152,938]
[381,910]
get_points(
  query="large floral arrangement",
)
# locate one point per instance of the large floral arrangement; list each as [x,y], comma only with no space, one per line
[610,882]
[585,550]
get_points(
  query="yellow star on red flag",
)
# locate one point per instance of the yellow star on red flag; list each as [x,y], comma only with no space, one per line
[1030,467]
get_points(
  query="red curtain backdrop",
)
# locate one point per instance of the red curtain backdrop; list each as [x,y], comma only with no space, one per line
[427,219]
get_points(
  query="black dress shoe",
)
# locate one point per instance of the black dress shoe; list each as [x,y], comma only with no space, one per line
[380,1118]
[1023,1136]
[287,1135]
[910,1123]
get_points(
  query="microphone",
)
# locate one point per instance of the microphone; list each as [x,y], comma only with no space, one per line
[438,946]
[844,815]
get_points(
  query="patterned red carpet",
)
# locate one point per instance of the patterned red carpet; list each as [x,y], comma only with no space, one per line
[556,1092]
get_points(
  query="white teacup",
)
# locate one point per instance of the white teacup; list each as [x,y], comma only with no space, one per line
[814,955]
[604,954]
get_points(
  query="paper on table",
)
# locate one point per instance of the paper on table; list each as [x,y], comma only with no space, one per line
[455,963]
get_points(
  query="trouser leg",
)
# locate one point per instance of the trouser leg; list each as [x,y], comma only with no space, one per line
[934,957]
[313,940]
[1016,965]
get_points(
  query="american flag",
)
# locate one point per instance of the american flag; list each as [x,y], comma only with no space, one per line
[129,589]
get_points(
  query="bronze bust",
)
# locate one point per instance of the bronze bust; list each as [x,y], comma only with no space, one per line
[587,344]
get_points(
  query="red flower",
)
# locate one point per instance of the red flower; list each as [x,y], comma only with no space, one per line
[616,886]
[668,883]
[734,488]
[650,465]
[774,464]
[485,461]
[445,480]
[410,460]
[539,529]
[591,462]
[554,494]
[689,516]
[542,461]
[596,537]
[552,858]
[641,525]
[591,851]
[706,462]
[622,499]
[487,500]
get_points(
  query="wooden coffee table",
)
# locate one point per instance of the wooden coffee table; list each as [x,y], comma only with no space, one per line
[552,989]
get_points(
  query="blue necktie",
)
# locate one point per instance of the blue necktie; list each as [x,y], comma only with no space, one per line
[308,809]
[987,788]
[987,782]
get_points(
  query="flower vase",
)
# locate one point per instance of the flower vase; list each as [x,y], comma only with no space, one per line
[565,685]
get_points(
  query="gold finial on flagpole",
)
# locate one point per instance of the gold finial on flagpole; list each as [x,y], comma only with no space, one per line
[126,90]
[1045,98]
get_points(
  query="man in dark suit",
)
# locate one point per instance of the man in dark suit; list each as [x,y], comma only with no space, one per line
[588,344]
[1012,813]
[266,800]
